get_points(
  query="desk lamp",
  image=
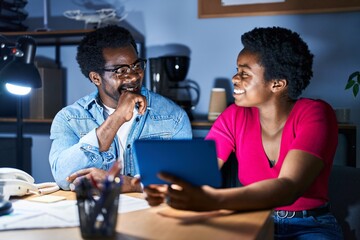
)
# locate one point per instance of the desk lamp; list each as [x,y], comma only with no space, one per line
[19,76]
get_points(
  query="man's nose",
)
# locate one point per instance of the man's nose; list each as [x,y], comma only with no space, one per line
[131,76]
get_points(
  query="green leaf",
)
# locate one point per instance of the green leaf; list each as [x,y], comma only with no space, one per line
[354,74]
[349,84]
[356,90]
[354,83]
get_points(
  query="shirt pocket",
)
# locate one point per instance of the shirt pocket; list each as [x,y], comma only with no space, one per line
[159,128]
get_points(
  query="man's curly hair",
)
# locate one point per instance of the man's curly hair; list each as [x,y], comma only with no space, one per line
[283,54]
[90,50]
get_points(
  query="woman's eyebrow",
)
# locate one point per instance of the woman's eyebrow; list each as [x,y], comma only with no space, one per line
[244,66]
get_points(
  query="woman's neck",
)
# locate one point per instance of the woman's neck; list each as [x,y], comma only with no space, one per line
[274,117]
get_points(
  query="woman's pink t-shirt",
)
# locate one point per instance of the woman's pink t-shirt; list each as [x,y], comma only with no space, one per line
[311,127]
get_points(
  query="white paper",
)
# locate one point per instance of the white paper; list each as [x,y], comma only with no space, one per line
[246,2]
[29,214]
[129,204]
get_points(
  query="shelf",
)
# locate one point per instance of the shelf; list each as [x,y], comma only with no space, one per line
[51,38]
[26,120]
[63,37]
[67,35]
[30,126]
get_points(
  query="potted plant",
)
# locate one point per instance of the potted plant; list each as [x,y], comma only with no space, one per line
[354,82]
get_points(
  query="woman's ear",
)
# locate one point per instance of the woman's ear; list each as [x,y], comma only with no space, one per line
[95,78]
[279,85]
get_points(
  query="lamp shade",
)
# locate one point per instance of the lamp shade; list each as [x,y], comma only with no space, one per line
[21,71]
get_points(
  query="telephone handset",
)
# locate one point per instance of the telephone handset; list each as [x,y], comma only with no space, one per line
[15,182]
[13,173]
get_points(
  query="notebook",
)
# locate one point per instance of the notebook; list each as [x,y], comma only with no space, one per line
[194,161]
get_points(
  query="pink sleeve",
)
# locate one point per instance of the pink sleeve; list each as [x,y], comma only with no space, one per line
[317,133]
[222,132]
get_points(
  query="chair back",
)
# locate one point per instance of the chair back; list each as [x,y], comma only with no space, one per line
[344,194]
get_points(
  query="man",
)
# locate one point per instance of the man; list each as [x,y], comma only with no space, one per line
[98,130]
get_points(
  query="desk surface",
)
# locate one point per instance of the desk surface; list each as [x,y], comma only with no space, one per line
[148,224]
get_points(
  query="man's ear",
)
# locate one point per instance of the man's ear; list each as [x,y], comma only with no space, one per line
[278,85]
[95,78]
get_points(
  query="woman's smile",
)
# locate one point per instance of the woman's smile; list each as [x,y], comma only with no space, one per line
[238,91]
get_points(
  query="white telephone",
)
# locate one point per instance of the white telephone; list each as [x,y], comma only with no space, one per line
[15,182]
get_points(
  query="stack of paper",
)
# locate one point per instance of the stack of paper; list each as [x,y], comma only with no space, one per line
[29,214]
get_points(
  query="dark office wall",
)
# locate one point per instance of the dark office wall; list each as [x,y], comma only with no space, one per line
[8,154]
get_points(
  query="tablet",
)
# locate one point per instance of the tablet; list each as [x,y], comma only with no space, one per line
[194,161]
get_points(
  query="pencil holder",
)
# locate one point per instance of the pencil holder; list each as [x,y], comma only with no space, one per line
[98,209]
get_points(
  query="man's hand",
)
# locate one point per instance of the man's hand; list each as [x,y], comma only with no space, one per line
[96,174]
[127,102]
[130,185]
[99,175]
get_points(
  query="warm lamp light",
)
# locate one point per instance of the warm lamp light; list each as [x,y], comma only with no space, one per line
[19,76]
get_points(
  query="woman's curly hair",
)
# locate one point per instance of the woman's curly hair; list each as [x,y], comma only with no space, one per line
[90,50]
[283,54]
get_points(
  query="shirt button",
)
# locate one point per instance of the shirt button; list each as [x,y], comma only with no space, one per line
[128,146]
[137,119]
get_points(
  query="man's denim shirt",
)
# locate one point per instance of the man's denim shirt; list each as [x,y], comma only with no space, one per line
[75,145]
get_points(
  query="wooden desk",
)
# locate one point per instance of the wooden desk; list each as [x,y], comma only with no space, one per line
[148,224]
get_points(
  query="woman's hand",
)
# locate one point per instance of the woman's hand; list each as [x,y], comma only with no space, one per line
[182,195]
[155,194]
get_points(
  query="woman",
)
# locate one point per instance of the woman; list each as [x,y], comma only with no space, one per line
[284,144]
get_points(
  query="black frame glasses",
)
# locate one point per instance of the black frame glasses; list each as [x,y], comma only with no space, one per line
[138,66]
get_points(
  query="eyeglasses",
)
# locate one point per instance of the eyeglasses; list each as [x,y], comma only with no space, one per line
[121,70]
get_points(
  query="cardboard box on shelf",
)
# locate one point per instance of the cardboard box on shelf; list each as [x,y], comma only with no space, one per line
[46,101]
